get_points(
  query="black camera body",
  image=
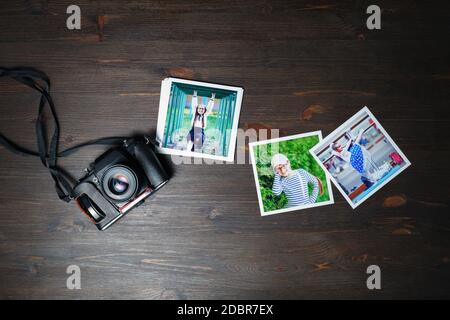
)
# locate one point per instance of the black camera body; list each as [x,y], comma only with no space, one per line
[120,180]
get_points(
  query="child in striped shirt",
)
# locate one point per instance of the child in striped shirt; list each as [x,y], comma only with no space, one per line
[294,183]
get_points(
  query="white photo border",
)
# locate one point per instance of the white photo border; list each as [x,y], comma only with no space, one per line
[255,174]
[342,128]
[163,105]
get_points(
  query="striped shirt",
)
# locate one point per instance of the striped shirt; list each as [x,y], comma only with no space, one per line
[296,187]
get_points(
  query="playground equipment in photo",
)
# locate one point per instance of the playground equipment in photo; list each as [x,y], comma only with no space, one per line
[179,115]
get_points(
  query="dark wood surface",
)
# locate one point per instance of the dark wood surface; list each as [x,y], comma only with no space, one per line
[305,65]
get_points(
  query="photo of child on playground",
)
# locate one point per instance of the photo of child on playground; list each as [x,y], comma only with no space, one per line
[360,157]
[200,119]
[287,177]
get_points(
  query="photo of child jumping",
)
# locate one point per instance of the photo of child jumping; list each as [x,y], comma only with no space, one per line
[287,176]
[294,183]
[355,154]
[360,157]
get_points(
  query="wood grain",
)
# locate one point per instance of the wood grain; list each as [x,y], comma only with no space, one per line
[305,66]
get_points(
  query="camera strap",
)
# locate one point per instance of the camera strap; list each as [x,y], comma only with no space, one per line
[48,152]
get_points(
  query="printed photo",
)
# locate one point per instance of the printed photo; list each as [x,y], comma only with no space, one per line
[198,119]
[287,177]
[360,157]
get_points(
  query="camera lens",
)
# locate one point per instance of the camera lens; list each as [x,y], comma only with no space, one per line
[120,183]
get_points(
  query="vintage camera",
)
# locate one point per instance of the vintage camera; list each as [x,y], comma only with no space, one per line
[120,180]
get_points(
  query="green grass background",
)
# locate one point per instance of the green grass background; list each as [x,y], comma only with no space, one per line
[297,151]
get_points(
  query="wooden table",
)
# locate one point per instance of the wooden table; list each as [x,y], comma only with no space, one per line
[305,66]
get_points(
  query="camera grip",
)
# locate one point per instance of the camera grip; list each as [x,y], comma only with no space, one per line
[151,165]
[95,206]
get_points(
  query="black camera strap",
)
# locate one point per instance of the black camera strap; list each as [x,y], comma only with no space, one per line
[48,152]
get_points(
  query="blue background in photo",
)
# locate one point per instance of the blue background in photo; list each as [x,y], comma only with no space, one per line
[367,192]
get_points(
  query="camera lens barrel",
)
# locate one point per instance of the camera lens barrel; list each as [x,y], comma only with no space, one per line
[152,167]
[120,183]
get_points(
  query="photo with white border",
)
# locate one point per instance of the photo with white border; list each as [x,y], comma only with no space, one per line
[360,157]
[287,177]
[198,119]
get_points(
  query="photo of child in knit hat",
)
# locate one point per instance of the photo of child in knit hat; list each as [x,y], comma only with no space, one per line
[294,183]
[287,176]
[360,157]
